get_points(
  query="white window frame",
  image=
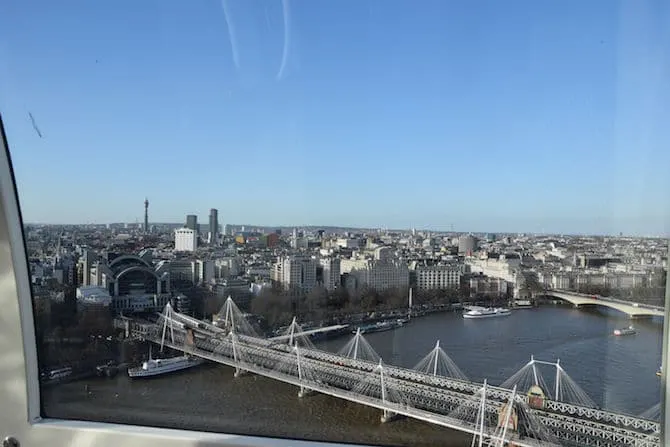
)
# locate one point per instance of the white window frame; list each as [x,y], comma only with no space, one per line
[19,386]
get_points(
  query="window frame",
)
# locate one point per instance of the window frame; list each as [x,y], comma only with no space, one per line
[19,385]
[20,414]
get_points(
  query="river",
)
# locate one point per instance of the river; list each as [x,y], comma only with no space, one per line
[618,373]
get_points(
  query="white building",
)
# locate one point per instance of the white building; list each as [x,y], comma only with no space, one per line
[502,267]
[347,243]
[185,239]
[378,275]
[295,272]
[488,287]
[331,272]
[438,277]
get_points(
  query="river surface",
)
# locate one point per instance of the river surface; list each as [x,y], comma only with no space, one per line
[617,373]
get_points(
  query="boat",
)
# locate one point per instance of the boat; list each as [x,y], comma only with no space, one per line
[380,326]
[658,373]
[156,367]
[486,312]
[630,330]
[523,304]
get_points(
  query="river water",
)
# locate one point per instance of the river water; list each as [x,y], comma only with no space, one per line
[618,373]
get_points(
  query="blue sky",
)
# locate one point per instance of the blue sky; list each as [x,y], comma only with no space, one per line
[538,116]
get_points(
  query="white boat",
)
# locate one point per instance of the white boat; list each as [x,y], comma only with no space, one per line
[630,330]
[155,367]
[486,312]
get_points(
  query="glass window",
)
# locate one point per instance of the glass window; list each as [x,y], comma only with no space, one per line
[230,228]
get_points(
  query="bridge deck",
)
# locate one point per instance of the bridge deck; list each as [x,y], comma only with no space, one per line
[425,397]
[633,310]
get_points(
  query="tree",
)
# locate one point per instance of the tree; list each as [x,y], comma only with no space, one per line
[369,299]
[275,308]
[316,302]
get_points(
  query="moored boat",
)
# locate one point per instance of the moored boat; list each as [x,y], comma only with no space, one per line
[486,312]
[156,367]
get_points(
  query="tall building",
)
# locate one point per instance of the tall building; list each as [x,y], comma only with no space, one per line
[213,226]
[146,215]
[331,272]
[185,239]
[192,222]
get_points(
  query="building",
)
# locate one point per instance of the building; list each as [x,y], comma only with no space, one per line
[295,272]
[504,266]
[438,277]
[213,226]
[185,239]
[237,288]
[190,272]
[384,254]
[93,296]
[485,287]
[272,240]
[133,282]
[192,222]
[347,243]
[376,274]
[228,267]
[331,272]
[467,245]
[182,304]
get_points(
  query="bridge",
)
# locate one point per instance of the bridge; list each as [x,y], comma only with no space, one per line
[633,310]
[435,391]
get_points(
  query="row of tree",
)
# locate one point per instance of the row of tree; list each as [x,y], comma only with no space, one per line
[279,306]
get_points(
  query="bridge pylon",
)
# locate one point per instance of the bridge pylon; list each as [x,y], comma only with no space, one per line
[167,317]
[564,388]
[438,363]
[236,355]
[386,415]
[358,348]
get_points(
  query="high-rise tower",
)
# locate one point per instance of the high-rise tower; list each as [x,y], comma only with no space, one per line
[146,215]
[192,222]
[213,225]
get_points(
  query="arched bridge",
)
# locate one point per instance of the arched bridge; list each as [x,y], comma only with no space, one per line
[633,310]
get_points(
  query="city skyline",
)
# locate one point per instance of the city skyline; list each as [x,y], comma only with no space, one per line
[357,114]
[267,227]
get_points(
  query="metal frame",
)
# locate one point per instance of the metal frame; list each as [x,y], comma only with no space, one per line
[422,396]
[19,388]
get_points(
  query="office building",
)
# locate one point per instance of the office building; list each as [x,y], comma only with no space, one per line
[295,272]
[213,226]
[437,277]
[376,274]
[331,272]
[192,222]
[185,239]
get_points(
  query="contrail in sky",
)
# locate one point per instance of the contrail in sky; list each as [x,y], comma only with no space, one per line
[231,32]
[287,39]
